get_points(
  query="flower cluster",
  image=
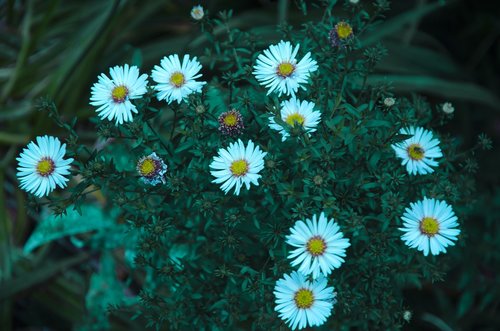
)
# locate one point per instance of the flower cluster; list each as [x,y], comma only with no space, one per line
[303,297]
[319,248]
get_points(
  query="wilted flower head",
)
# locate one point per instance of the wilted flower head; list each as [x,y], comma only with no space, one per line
[231,123]
[448,108]
[152,169]
[197,12]
[340,34]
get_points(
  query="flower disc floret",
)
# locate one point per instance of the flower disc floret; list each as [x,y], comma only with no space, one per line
[304,298]
[344,30]
[429,226]
[45,167]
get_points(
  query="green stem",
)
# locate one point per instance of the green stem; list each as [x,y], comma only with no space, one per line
[165,147]
[282,11]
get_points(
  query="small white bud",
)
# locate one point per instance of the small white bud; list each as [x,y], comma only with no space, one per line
[389,102]
[197,12]
[407,315]
[448,108]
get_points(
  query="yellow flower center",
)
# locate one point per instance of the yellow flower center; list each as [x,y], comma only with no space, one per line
[239,168]
[316,246]
[177,79]
[119,93]
[344,30]
[304,298]
[285,69]
[147,167]
[45,167]
[429,226]
[416,152]
[295,118]
[230,119]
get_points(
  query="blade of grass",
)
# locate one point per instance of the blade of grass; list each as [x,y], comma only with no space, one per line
[439,87]
[23,54]
[44,273]
[395,24]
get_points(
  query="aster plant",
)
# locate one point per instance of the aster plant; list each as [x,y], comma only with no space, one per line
[251,196]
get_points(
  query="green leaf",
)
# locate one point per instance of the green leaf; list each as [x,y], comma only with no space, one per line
[215,100]
[106,290]
[466,301]
[397,23]
[440,87]
[43,273]
[55,227]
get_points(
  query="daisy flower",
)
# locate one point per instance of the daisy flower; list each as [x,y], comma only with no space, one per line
[152,169]
[301,303]
[237,165]
[231,123]
[278,70]
[197,12]
[42,167]
[429,225]
[296,112]
[418,152]
[320,246]
[113,95]
[175,80]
